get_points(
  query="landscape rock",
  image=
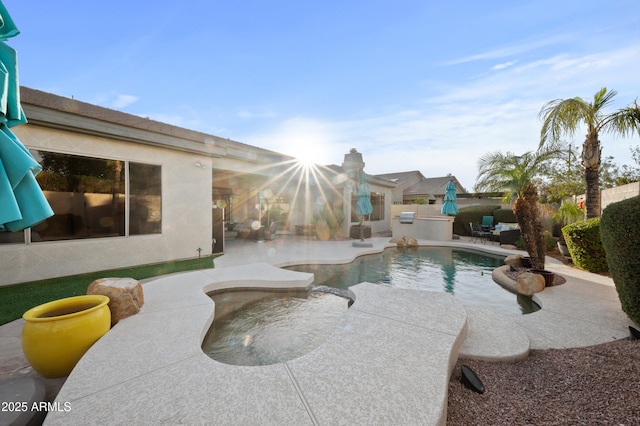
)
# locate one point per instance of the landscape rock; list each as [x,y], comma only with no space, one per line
[410,242]
[529,283]
[515,260]
[404,242]
[125,296]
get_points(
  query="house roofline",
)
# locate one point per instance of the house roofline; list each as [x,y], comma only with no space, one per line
[53,111]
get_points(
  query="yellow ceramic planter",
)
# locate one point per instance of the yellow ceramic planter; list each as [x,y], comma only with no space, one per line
[57,334]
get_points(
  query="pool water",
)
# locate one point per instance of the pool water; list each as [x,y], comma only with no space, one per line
[268,326]
[465,274]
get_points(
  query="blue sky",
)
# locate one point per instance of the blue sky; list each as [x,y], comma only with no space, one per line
[413,85]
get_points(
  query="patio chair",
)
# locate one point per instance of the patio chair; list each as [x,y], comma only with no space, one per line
[487,223]
[477,232]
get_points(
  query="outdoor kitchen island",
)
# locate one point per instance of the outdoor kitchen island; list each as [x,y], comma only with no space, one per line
[435,228]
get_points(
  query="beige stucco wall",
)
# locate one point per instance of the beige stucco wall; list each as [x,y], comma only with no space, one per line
[186,213]
[619,193]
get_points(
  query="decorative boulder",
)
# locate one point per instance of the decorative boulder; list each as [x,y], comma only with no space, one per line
[515,260]
[529,283]
[410,242]
[125,296]
[404,242]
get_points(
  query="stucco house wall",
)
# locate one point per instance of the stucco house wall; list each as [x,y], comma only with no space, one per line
[188,161]
[186,213]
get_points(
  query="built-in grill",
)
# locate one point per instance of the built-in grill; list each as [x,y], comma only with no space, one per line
[406,217]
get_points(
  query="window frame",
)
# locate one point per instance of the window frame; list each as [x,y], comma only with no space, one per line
[127,163]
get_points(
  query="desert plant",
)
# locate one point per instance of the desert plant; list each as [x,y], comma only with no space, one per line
[516,175]
[569,212]
[585,246]
[526,210]
[566,116]
[326,223]
[620,233]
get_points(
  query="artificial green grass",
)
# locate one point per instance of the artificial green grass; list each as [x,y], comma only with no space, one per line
[16,299]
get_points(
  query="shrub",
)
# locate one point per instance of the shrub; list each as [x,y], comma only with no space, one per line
[550,243]
[504,215]
[470,214]
[519,244]
[620,232]
[585,246]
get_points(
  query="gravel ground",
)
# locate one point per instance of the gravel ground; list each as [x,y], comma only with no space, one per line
[596,385]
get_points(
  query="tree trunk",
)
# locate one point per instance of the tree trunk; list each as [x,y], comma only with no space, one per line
[526,211]
[592,202]
[591,154]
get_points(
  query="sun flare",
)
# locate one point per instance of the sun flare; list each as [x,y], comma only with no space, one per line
[306,158]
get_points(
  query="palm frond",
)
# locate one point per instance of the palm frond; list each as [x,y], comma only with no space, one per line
[562,117]
[603,98]
[624,122]
[512,173]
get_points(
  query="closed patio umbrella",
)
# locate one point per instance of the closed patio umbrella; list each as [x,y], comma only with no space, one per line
[363,205]
[449,207]
[22,203]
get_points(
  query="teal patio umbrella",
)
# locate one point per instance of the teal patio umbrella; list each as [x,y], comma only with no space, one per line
[449,207]
[363,205]
[22,203]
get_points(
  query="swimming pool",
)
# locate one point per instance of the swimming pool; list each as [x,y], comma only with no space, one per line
[264,327]
[465,274]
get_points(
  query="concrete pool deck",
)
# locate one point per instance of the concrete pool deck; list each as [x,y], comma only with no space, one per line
[388,361]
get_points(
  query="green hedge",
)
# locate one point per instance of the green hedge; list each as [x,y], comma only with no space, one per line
[585,246]
[504,215]
[470,214]
[620,232]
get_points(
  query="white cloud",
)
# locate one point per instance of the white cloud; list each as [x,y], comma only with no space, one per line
[503,65]
[512,49]
[123,101]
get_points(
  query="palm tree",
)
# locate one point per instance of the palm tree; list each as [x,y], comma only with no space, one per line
[565,116]
[516,174]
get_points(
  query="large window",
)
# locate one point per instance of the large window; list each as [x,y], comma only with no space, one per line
[377,202]
[145,199]
[95,197]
